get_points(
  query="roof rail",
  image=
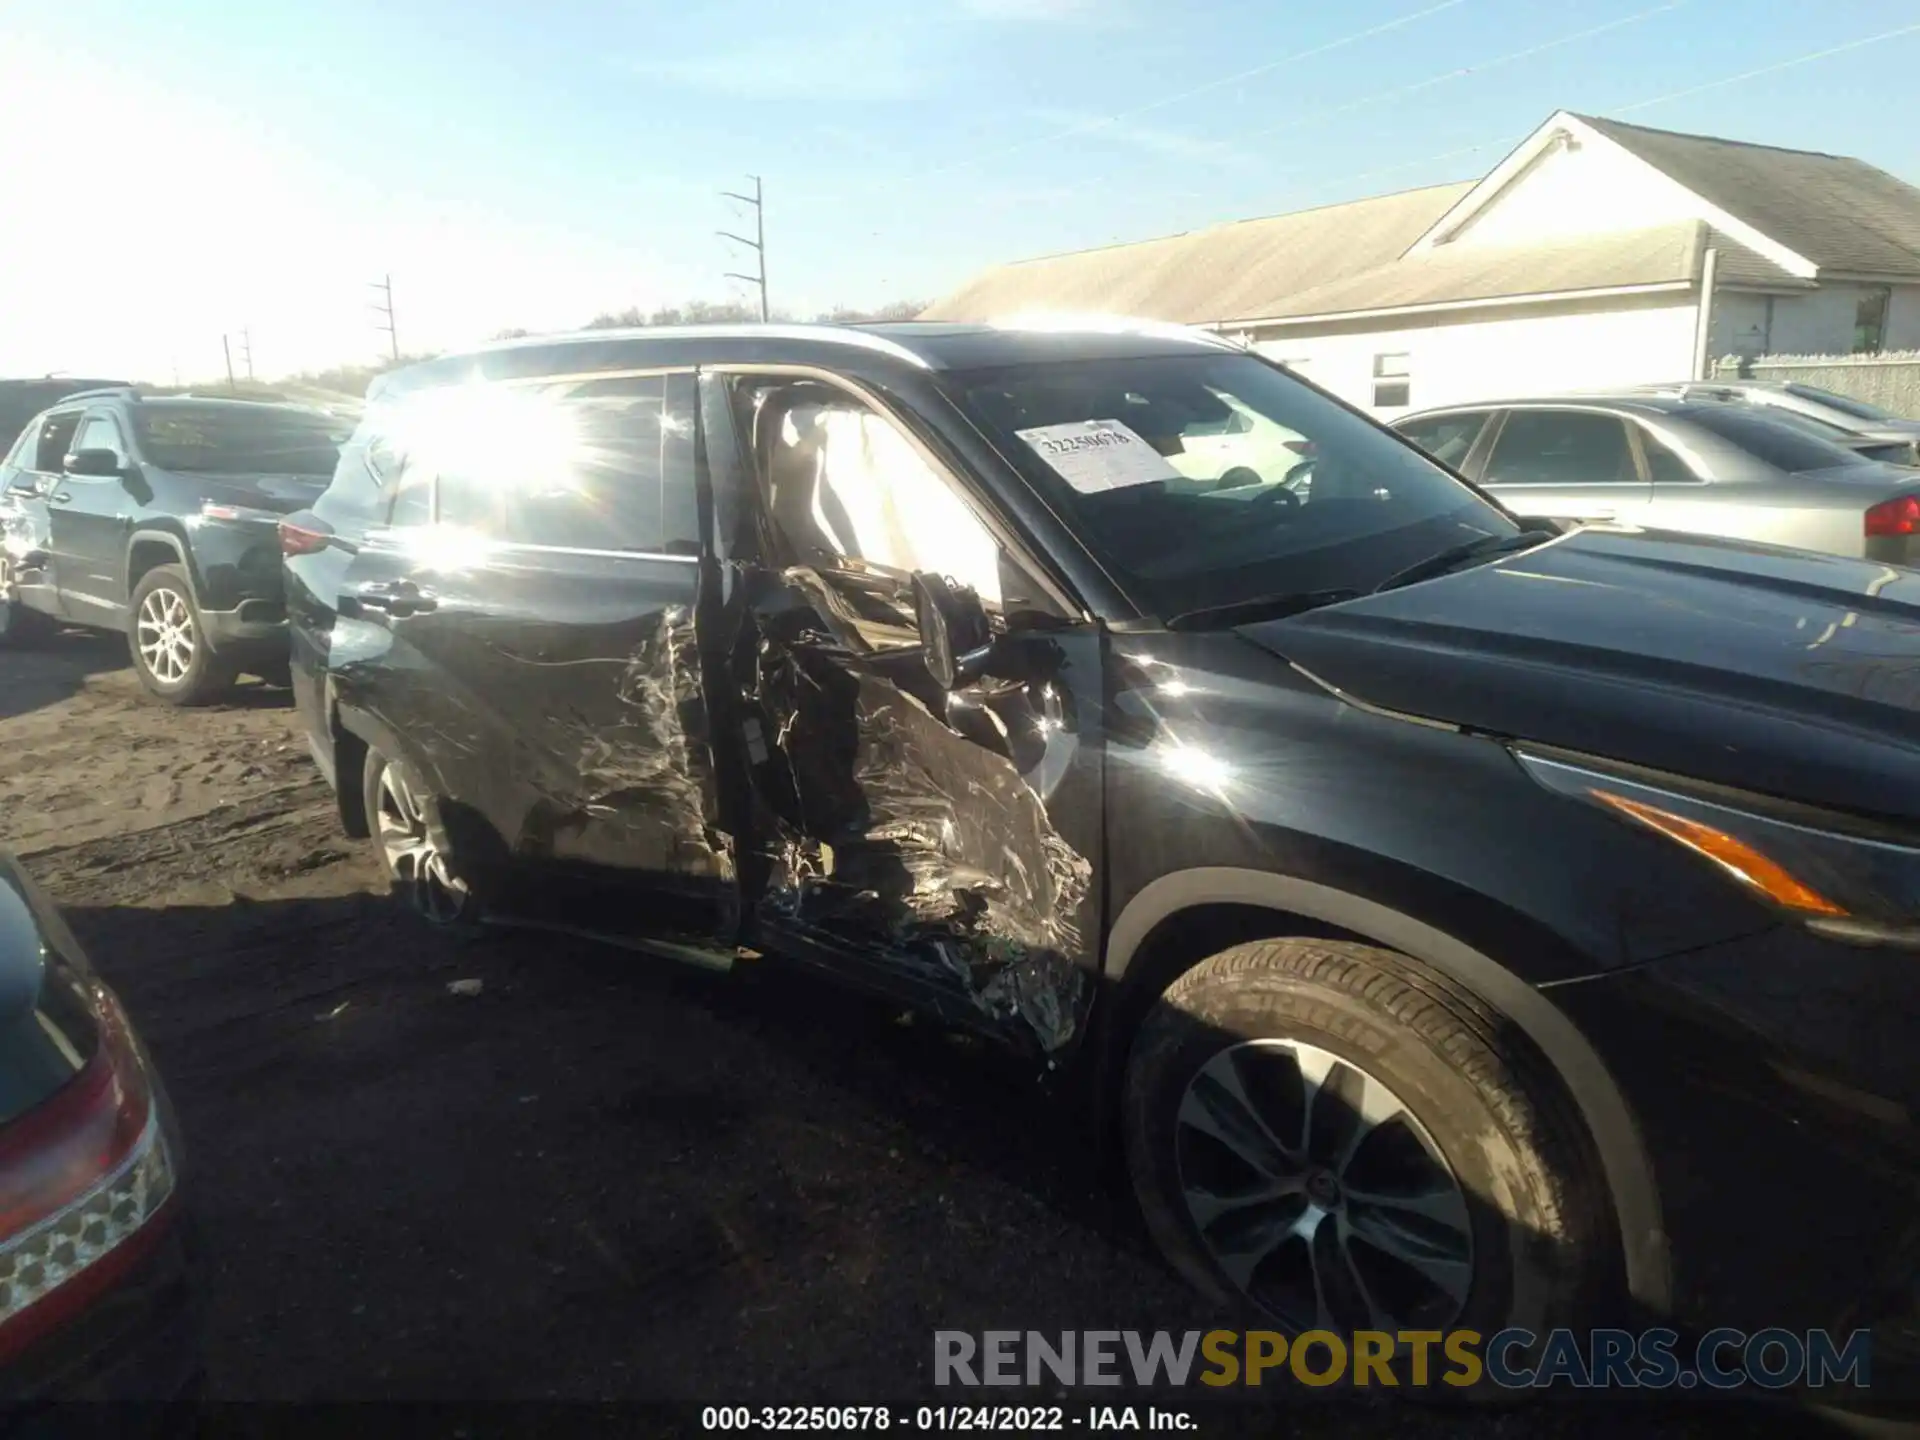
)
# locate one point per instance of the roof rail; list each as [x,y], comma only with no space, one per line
[114,392]
[1101,323]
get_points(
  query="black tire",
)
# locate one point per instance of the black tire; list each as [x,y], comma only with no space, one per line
[426,880]
[1523,1235]
[20,626]
[168,641]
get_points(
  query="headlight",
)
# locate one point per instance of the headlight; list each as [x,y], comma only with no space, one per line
[1841,876]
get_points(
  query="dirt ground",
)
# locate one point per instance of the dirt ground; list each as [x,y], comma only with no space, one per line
[601,1178]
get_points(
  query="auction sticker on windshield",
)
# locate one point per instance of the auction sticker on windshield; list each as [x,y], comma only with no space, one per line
[1097,455]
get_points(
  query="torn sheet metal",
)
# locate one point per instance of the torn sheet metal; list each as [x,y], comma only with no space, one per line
[638,784]
[893,830]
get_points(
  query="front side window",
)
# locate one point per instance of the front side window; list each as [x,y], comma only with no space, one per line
[56,439]
[204,438]
[99,433]
[852,495]
[1311,498]
[1561,447]
[20,453]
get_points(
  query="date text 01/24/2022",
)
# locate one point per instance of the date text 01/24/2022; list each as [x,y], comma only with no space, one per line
[1004,1419]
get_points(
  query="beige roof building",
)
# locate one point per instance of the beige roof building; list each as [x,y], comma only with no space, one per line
[1581,259]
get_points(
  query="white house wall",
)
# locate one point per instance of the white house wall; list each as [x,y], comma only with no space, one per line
[1457,358]
[1585,189]
[1741,323]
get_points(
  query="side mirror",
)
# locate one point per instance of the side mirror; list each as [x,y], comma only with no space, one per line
[93,462]
[955,637]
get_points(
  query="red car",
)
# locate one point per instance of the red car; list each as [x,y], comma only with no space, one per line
[95,1299]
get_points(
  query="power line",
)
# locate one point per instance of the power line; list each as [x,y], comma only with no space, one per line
[246,351]
[1512,56]
[1219,82]
[1767,69]
[1466,70]
[385,308]
[758,244]
[1510,140]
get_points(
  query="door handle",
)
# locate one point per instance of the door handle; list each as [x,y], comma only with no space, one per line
[61,497]
[399,598]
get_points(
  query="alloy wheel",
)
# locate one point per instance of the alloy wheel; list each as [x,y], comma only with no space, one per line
[411,855]
[1319,1194]
[165,635]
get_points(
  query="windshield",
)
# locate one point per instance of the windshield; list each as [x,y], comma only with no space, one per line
[1216,479]
[239,440]
[1785,446]
[1846,404]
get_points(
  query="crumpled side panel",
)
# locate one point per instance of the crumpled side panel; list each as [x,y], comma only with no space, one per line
[637,776]
[896,831]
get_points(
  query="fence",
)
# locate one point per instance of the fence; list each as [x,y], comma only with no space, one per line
[1890,381]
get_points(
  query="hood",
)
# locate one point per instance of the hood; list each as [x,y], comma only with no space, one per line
[1772,670]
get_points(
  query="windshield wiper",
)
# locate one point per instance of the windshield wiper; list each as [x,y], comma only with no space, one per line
[1485,548]
[1261,607]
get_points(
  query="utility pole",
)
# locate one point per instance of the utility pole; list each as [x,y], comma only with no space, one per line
[758,244]
[385,308]
[246,351]
[227,348]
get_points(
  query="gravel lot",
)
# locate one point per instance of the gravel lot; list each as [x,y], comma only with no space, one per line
[601,1178]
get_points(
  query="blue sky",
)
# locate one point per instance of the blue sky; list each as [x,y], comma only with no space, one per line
[255,164]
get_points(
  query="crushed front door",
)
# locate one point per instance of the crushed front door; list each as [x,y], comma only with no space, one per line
[942,848]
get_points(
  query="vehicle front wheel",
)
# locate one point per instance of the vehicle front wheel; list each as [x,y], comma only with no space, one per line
[416,867]
[18,624]
[1341,1139]
[168,642]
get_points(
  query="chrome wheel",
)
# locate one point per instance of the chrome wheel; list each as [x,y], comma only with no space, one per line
[413,860]
[165,636]
[1319,1194]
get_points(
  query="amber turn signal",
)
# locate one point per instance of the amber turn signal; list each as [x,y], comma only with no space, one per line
[1735,856]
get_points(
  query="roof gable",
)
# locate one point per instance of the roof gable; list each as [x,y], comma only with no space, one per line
[1621,189]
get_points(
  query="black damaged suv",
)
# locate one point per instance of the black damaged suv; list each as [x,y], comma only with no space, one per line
[156,517]
[1458,921]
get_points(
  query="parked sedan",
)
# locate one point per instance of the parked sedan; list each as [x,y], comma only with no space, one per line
[1703,466]
[94,1292]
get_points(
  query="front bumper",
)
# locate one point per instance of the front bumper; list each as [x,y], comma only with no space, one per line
[1776,1082]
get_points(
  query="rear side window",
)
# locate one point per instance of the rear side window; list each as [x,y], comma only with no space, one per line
[1665,467]
[1447,438]
[1784,447]
[1561,447]
[575,464]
